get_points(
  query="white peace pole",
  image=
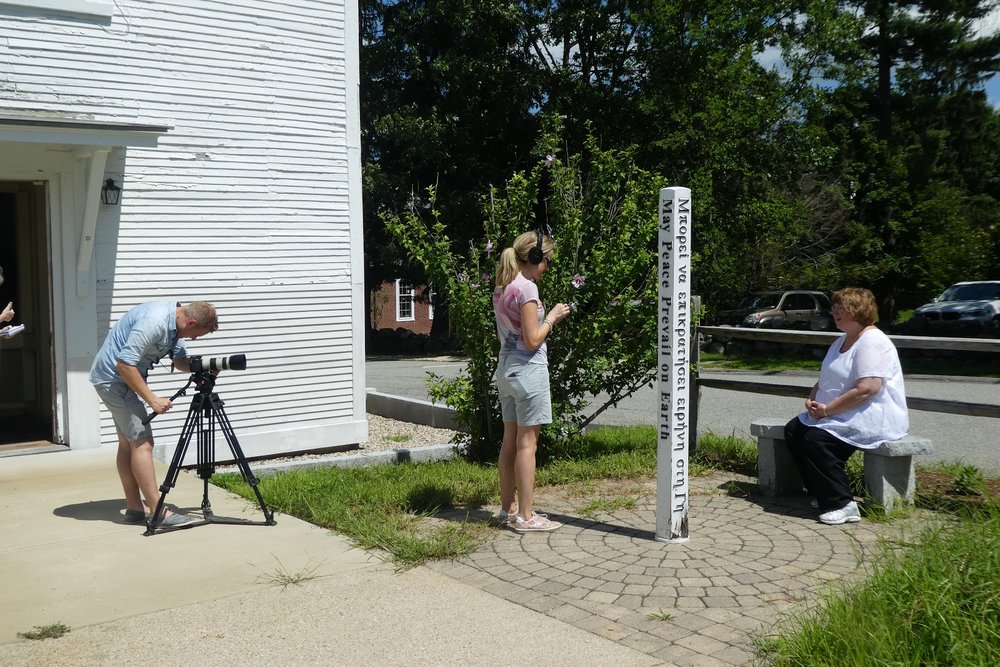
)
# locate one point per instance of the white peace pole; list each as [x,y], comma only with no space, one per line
[674,327]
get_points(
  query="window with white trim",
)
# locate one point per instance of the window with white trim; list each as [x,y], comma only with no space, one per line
[404,302]
[430,302]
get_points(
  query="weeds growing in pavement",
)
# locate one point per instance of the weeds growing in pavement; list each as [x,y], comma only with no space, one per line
[607,504]
[284,578]
[660,615]
[50,631]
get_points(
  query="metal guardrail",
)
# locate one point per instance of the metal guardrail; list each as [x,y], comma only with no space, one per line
[824,338]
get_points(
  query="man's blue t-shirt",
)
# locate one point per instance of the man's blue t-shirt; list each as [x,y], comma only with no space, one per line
[143,336]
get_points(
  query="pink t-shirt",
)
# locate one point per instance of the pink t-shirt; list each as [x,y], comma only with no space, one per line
[507,308]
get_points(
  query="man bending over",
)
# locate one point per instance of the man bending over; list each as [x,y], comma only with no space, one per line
[142,337]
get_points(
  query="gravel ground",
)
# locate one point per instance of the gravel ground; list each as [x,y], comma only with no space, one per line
[384,435]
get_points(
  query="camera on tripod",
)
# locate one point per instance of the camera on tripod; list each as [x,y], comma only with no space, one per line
[236,362]
[205,414]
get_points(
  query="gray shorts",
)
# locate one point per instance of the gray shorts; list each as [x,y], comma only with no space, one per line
[127,409]
[524,392]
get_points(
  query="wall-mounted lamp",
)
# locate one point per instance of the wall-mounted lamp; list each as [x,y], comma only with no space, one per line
[110,193]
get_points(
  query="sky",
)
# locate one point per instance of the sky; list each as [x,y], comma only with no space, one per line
[990,24]
[993,91]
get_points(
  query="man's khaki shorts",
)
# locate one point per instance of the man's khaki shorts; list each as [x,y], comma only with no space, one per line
[127,409]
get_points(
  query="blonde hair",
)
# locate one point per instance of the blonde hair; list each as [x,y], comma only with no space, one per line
[513,258]
[857,302]
[204,314]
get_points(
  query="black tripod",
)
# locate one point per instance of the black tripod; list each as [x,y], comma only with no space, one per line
[206,410]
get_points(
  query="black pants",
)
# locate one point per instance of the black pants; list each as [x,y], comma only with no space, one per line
[820,458]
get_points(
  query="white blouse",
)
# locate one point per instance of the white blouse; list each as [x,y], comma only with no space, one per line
[881,418]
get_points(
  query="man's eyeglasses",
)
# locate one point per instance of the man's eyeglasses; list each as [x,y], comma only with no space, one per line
[838,309]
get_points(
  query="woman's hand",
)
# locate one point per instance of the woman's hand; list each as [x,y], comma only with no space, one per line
[558,313]
[863,390]
[816,409]
[8,313]
[533,332]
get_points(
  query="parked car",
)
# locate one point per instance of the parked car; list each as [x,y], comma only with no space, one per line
[968,307]
[789,309]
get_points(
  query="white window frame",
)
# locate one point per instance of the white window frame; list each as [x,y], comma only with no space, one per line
[102,8]
[430,302]
[400,287]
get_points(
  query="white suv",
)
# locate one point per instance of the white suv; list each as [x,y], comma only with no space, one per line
[963,307]
[791,309]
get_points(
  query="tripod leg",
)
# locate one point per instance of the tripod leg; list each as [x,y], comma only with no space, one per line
[206,455]
[240,458]
[174,469]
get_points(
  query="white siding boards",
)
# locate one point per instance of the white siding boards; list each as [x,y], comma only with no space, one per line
[249,199]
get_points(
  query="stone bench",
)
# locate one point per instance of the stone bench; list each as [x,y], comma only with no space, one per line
[889,470]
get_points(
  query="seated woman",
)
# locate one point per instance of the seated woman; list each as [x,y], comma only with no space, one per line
[858,403]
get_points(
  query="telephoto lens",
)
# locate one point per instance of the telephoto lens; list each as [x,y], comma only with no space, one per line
[236,362]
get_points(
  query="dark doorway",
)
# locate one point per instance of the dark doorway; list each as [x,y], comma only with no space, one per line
[26,367]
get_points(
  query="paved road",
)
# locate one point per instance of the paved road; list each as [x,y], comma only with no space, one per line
[972,440]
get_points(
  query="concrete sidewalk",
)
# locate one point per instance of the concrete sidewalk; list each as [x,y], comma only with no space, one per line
[205,595]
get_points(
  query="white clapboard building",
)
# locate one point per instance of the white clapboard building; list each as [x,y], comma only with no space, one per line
[231,128]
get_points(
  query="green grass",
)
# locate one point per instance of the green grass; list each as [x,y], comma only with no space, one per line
[937,603]
[758,362]
[385,507]
[726,452]
[970,364]
[51,631]
[626,452]
[390,508]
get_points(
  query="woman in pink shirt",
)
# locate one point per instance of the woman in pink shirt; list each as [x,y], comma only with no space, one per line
[522,374]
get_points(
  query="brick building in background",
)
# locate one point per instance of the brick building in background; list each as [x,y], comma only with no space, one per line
[400,305]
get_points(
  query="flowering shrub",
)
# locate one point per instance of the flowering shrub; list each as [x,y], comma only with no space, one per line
[602,212]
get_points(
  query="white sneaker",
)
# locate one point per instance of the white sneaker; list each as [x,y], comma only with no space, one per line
[538,523]
[847,514]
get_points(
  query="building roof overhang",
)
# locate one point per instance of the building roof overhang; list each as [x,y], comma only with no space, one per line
[45,128]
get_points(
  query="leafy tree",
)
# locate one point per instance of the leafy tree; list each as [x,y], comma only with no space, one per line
[908,80]
[447,98]
[722,123]
[603,214]
[845,165]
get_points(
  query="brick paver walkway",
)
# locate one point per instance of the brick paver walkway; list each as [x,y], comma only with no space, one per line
[749,559]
